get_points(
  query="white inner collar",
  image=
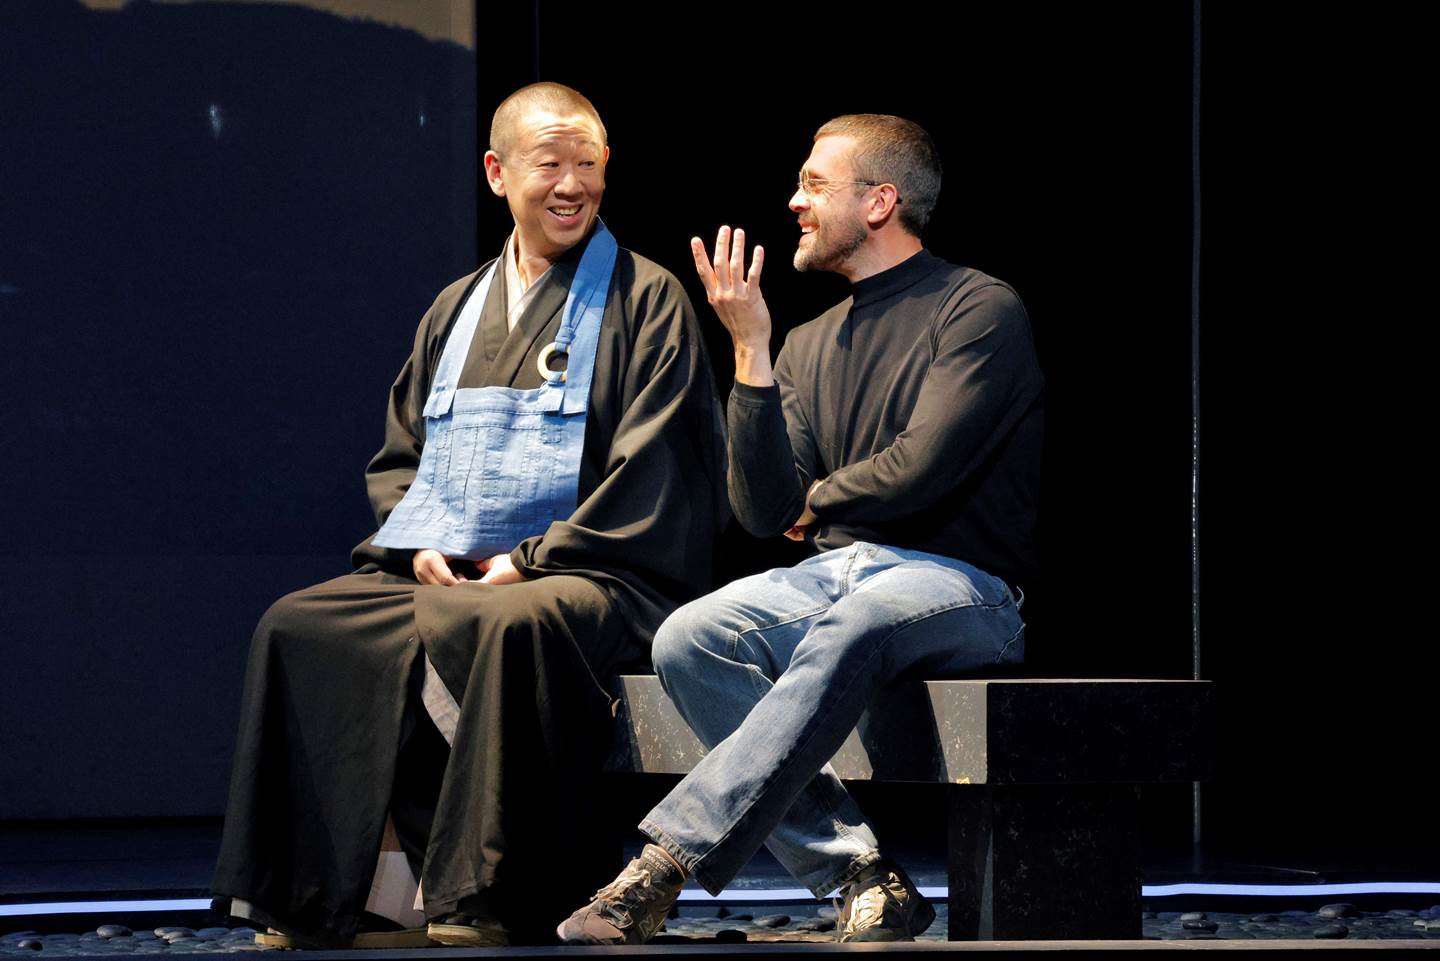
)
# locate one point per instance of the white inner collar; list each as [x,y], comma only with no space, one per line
[518,295]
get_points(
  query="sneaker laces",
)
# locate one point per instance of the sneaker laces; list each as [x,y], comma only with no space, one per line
[632,889]
[867,905]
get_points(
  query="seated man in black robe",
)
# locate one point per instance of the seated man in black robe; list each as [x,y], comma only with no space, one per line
[509,651]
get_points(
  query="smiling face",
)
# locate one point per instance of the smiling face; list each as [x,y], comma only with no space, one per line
[832,226]
[553,177]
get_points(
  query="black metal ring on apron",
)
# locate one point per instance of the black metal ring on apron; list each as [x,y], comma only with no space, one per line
[543,362]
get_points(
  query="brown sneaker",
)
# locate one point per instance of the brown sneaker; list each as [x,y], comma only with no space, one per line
[882,905]
[630,909]
[468,931]
[400,938]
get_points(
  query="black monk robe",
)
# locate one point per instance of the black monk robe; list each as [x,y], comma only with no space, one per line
[332,736]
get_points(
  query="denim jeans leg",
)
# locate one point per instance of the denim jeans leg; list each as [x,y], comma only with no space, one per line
[717,657]
[888,611]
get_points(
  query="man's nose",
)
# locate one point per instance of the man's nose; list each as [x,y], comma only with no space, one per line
[799,200]
[569,184]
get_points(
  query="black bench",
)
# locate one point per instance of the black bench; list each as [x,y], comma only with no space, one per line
[1041,779]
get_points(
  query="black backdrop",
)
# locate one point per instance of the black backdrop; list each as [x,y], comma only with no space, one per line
[222,222]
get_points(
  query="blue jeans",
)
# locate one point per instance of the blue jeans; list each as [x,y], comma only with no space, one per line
[772,673]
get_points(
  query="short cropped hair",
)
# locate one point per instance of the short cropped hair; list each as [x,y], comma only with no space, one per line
[893,150]
[553,98]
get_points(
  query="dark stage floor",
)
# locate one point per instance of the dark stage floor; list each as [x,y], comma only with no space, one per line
[171,861]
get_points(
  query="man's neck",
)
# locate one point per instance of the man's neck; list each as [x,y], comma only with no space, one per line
[528,266]
[880,252]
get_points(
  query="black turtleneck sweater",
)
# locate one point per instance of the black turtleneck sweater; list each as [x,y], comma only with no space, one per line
[918,401]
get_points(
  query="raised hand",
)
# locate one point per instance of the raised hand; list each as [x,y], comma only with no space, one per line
[736,298]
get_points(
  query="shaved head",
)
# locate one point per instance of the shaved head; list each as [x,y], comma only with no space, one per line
[553,98]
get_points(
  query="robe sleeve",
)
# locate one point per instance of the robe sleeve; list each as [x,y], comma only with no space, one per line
[652,517]
[980,382]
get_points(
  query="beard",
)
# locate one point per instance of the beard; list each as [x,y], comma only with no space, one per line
[831,244]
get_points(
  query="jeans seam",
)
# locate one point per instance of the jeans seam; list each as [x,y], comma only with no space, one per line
[751,668]
[1000,658]
[830,806]
[982,603]
[958,606]
[782,620]
[845,586]
[847,874]
[662,837]
[756,676]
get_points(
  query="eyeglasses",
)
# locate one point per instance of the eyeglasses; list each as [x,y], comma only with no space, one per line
[817,187]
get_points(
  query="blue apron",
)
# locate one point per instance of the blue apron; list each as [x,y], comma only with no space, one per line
[500,464]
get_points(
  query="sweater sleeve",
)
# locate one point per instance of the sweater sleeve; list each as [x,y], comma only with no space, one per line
[771,456]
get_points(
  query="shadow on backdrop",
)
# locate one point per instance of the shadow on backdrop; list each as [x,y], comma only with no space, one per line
[221,223]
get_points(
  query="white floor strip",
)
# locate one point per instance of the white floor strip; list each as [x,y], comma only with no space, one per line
[1291,890]
[755,896]
[100,907]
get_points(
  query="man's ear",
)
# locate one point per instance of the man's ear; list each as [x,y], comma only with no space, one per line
[492,173]
[882,205]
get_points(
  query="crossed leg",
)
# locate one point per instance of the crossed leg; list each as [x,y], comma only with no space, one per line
[773,672]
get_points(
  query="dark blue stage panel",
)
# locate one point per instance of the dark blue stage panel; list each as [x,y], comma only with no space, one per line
[220,225]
